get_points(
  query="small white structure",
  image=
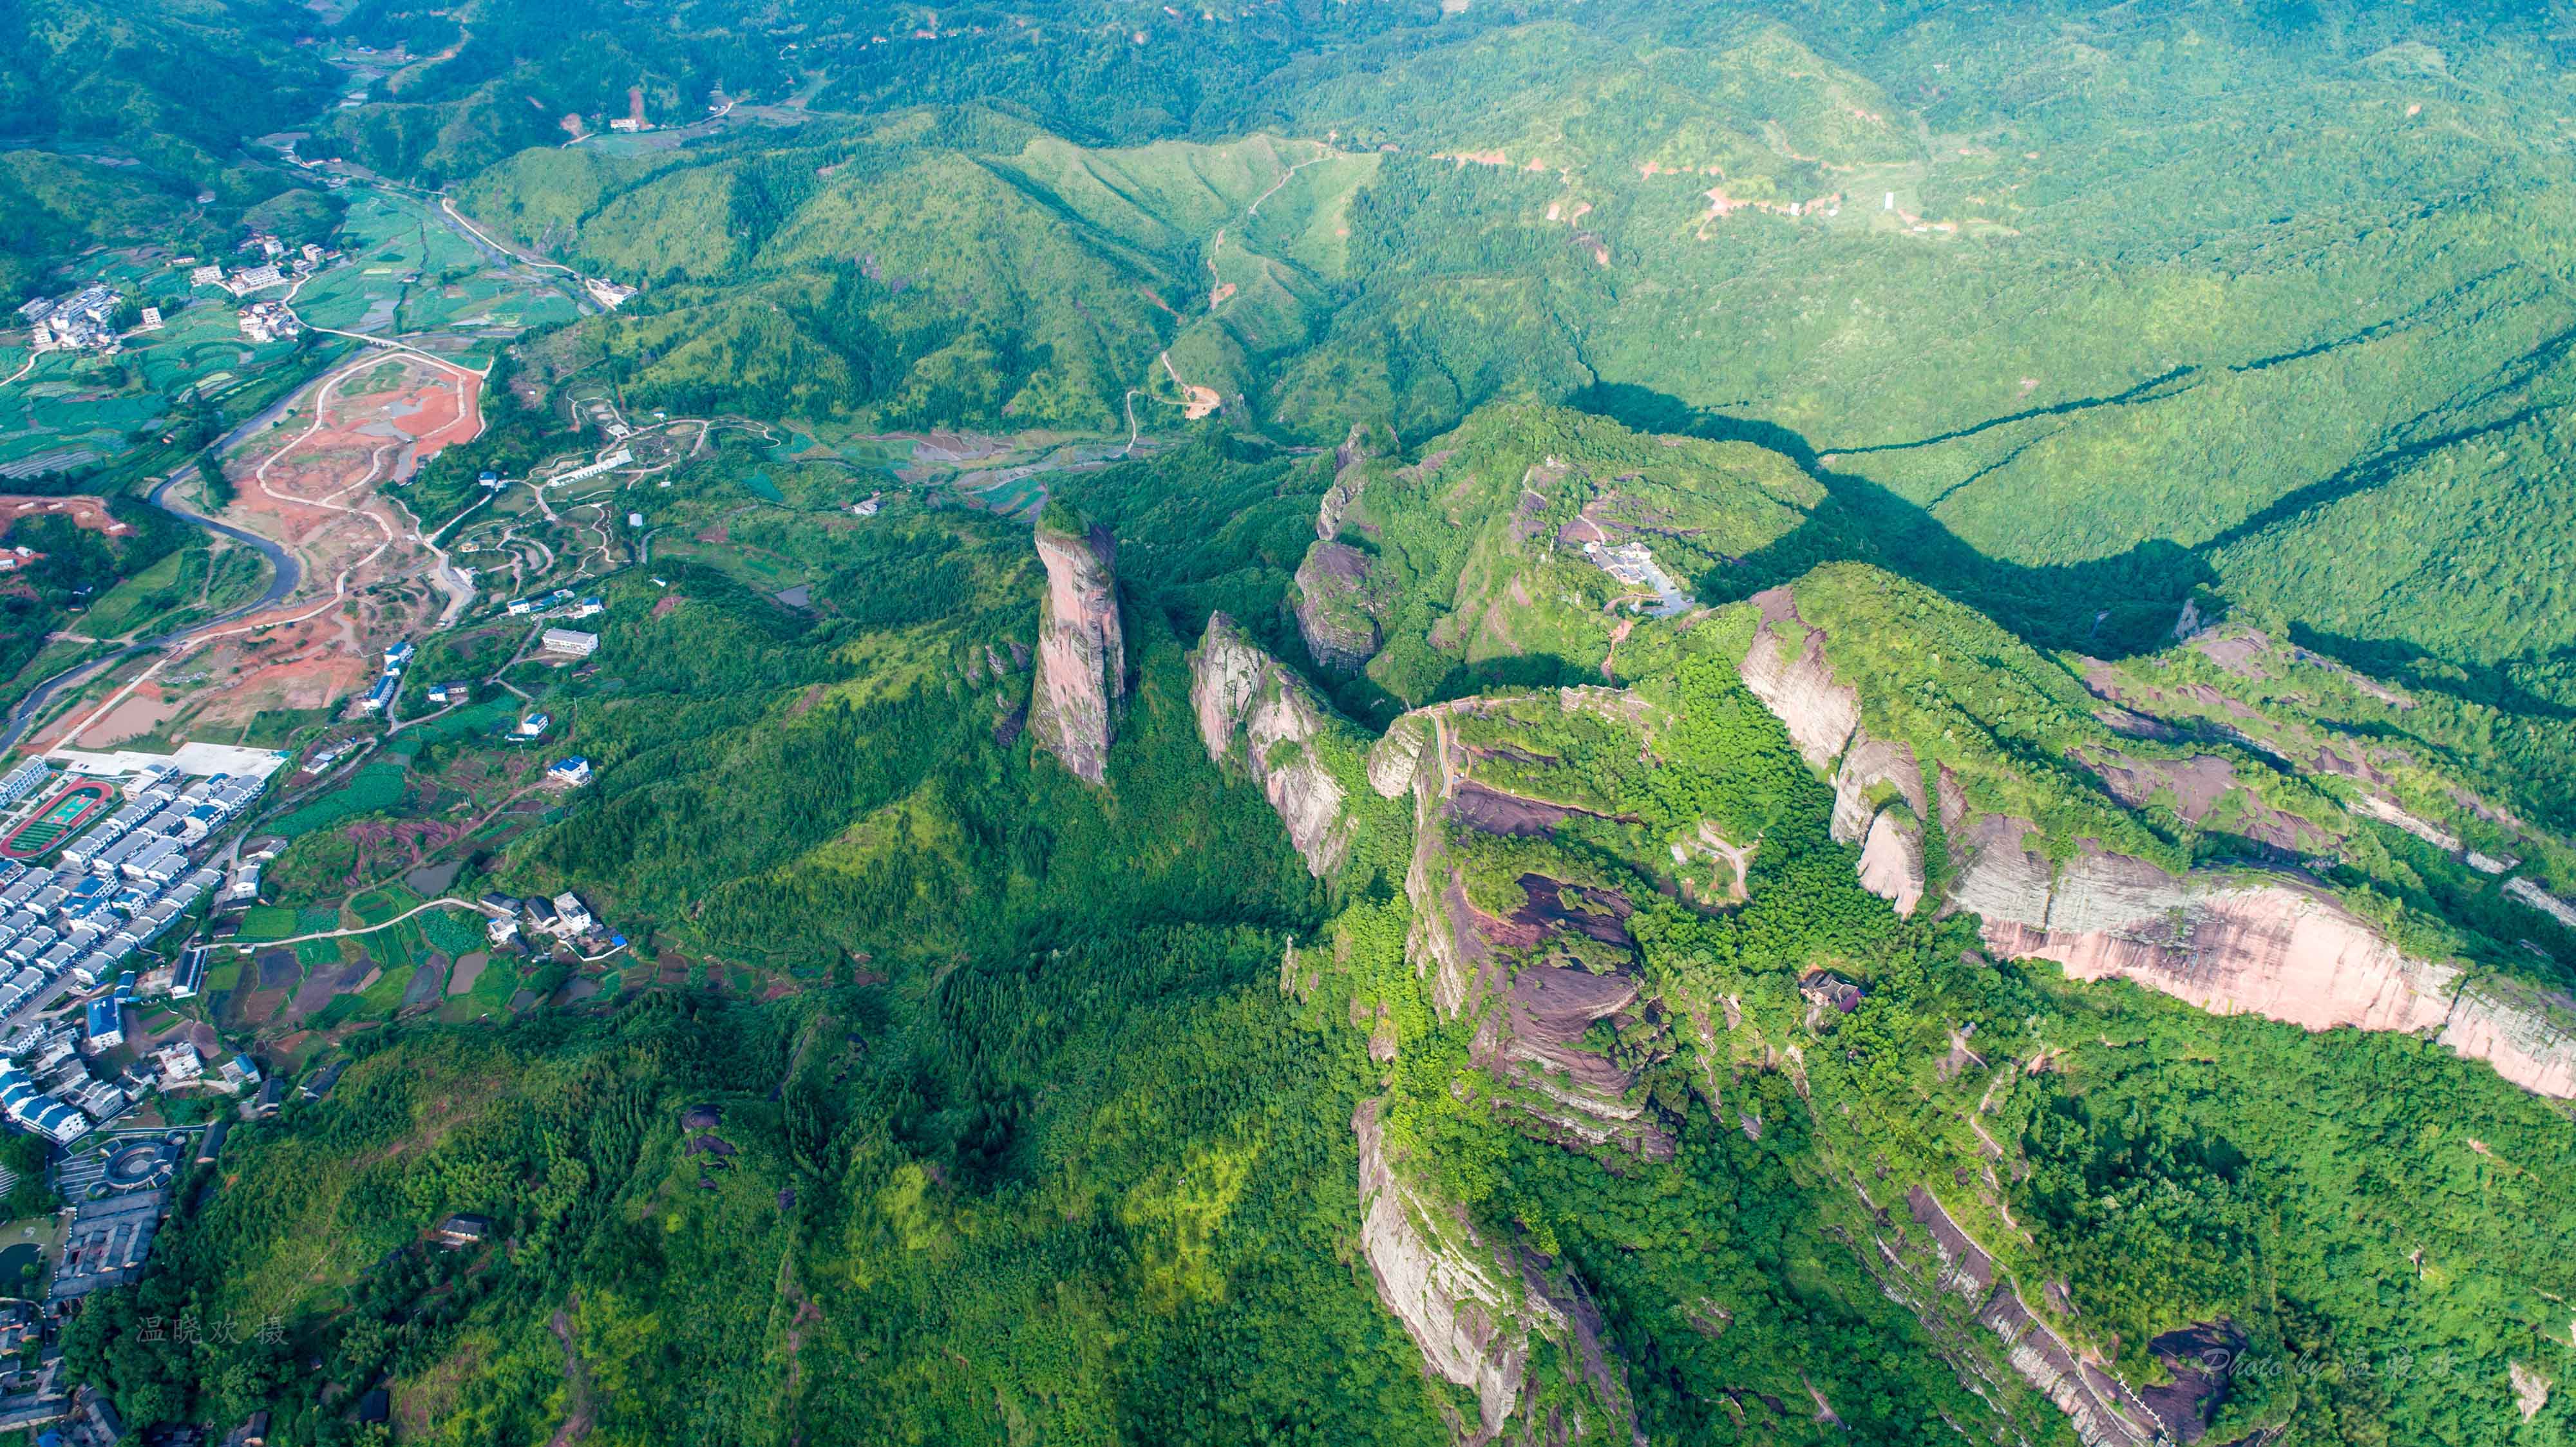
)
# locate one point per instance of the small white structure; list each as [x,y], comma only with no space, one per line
[179,1064]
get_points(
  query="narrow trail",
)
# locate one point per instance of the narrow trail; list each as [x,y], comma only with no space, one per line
[333,934]
[1255,208]
[577,1421]
[375,463]
[447,205]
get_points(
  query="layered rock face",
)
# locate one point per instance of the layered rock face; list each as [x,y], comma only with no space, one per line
[2243,942]
[1393,758]
[1870,765]
[2102,1411]
[1254,711]
[1082,655]
[1455,1292]
[1535,980]
[1336,612]
[1473,1305]
[1891,861]
[2001,877]
[2527,1034]
[1890,836]
[2272,950]
[1798,686]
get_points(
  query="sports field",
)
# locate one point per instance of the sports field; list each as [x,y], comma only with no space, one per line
[62,816]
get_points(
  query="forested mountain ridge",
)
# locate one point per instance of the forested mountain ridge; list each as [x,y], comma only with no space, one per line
[2322,307]
[118,118]
[1549,1058]
[1792,722]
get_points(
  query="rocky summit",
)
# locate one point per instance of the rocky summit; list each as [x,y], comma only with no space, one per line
[1082,656]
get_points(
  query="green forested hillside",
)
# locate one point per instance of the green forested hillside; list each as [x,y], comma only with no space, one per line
[2134,305]
[1824,721]
[117,118]
[1052,1136]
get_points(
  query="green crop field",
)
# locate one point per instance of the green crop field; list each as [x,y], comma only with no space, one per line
[268,922]
[375,787]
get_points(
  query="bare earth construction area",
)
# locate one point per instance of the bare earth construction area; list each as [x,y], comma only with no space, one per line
[315,484]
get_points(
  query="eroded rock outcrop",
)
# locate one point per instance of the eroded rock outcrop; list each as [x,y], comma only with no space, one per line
[2527,1033]
[2275,950]
[1793,681]
[1350,477]
[1879,804]
[2195,788]
[2000,876]
[2243,941]
[2099,890]
[1457,1293]
[1336,604]
[1393,758]
[1254,711]
[1474,1305]
[1539,976]
[1334,607]
[1869,768]
[1891,860]
[1082,653]
[2251,943]
[2523,889]
[2103,1412]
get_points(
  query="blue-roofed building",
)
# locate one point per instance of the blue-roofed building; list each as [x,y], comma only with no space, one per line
[125,987]
[574,770]
[106,1023]
[398,656]
[22,1102]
